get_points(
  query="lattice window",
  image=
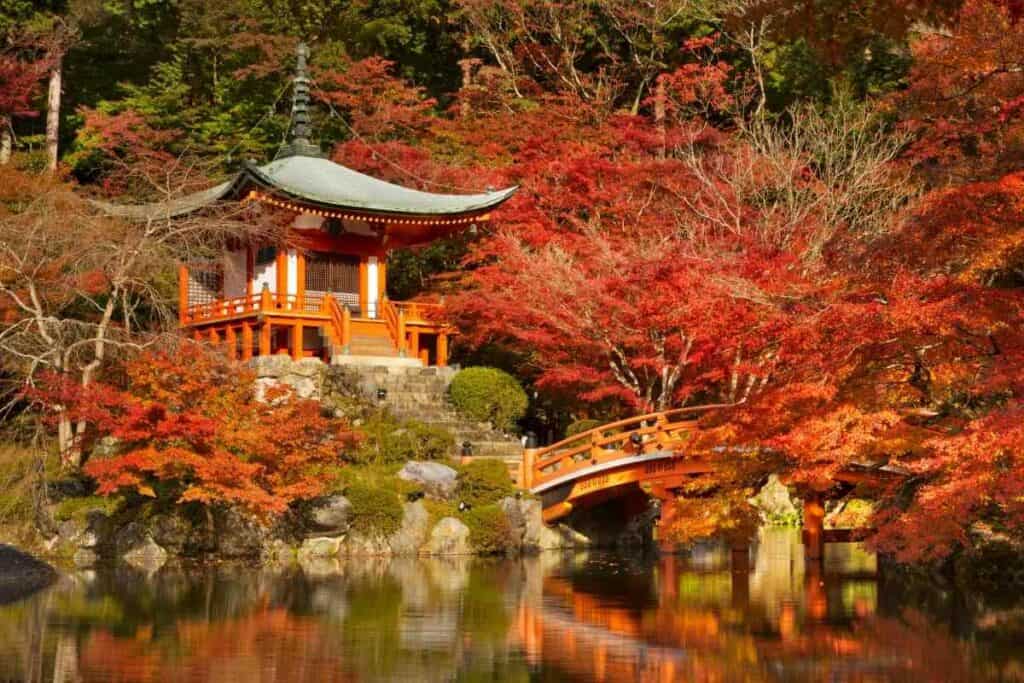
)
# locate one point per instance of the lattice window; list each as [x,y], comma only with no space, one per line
[205,283]
[334,273]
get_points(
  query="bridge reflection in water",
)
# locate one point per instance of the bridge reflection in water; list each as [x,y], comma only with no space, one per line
[715,615]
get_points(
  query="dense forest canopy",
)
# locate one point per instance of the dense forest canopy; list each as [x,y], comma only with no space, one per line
[808,209]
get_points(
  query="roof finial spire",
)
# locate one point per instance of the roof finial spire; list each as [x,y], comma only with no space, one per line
[299,143]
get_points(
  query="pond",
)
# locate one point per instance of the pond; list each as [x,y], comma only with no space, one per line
[557,617]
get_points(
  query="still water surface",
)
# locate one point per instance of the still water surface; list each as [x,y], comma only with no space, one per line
[576,617]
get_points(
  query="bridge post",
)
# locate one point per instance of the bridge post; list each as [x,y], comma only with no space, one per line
[814,527]
[526,468]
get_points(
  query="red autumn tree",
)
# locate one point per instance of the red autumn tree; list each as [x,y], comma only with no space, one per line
[189,427]
[965,101]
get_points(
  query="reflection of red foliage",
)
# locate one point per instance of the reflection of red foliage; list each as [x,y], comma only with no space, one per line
[243,649]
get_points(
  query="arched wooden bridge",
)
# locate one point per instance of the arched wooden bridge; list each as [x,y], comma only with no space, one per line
[649,454]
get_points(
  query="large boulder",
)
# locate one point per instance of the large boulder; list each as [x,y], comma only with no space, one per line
[405,541]
[437,480]
[561,537]
[330,516]
[775,504]
[147,555]
[413,532]
[448,537]
[239,534]
[318,548]
[172,531]
[21,574]
[525,520]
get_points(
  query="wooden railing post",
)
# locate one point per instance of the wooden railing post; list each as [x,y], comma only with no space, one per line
[527,464]
[400,333]
[182,294]
[265,300]
[346,329]
[595,448]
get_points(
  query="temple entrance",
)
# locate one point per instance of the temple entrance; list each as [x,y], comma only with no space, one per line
[336,274]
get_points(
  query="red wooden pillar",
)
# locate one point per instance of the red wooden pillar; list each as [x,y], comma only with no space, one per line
[442,350]
[182,294]
[297,341]
[300,280]
[214,337]
[364,286]
[265,339]
[814,527]
[246,341]
[231,341]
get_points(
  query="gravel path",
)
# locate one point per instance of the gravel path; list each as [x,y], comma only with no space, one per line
[21,574]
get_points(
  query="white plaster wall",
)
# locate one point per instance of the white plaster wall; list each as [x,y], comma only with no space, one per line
[234,273]
[265,274]
[371,285]
[293,272]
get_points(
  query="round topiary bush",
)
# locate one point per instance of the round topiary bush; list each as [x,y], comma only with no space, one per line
[580,426]
[489,394]
[415,440]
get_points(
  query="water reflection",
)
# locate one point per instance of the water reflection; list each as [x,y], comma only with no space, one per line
[715,616]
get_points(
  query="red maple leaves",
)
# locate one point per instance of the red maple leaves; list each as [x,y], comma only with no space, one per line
[189,427]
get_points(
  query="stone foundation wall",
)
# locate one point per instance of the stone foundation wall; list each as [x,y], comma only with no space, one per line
[319,532]
[305,376]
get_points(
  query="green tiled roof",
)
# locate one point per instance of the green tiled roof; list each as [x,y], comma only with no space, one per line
[329,184]
[326,184]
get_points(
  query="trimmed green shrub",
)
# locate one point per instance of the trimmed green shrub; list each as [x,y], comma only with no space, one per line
[489,529]
[415,440]
[483,482]
[388,440]
[489,394]
[374,510]
[580,426]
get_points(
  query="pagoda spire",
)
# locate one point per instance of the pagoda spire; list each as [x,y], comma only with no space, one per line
[299,143]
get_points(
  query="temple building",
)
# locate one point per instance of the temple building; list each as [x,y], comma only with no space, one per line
[324,292]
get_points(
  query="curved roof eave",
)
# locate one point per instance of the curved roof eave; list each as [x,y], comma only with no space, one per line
[169,209]
[322,182]
[328,184]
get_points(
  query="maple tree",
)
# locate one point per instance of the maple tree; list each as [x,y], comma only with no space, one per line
[190,427]
[78,287]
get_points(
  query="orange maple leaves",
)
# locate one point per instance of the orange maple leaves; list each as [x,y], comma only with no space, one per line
[188,426]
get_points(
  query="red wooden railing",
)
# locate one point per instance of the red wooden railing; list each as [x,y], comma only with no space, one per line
[630,437]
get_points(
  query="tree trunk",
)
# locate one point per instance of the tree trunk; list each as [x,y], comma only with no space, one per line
[6,142]
[53,115]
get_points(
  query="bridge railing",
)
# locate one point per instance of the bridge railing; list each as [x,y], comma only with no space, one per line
[633,436]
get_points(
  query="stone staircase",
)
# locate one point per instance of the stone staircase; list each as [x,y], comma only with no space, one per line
[371,345]
[415,392]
